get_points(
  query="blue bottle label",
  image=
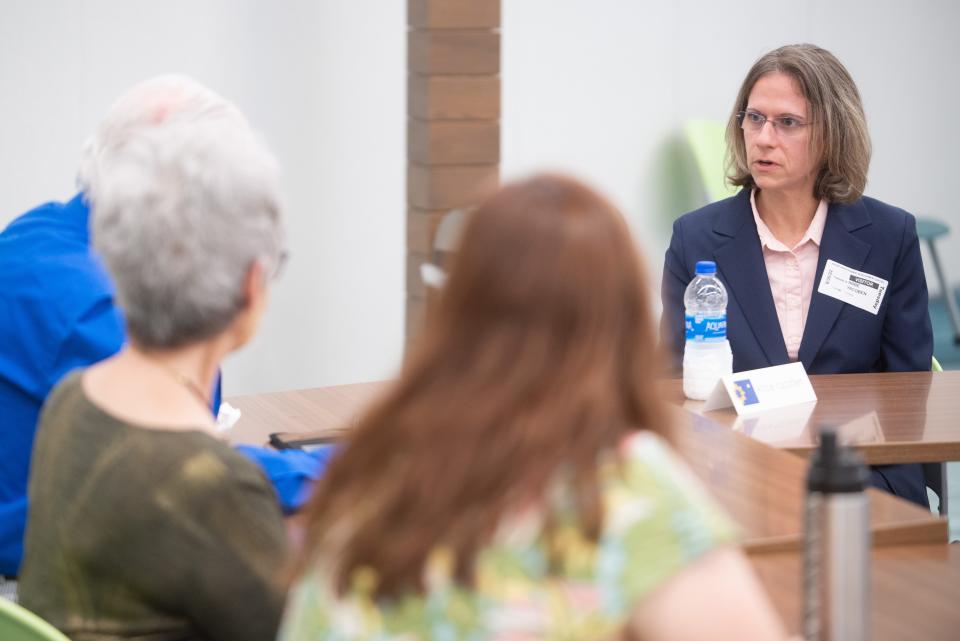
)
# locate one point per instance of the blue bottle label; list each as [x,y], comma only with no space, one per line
[707,329]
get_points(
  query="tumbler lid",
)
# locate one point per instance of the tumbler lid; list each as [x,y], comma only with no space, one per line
[834,468]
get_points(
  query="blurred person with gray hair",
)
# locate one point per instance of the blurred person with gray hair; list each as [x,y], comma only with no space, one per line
[57,308]
[57,301]
[142,522]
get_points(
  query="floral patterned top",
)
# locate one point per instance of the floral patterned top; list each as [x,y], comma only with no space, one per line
[658,520]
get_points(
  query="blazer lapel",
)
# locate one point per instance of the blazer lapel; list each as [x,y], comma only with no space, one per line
[740,261]
[840,245]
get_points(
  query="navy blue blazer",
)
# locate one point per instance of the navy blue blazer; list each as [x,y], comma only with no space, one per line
[838,338]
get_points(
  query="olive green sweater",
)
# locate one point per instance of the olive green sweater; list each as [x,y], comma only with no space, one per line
[157,535]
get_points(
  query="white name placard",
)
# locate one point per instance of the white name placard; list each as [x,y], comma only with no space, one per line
[759,390]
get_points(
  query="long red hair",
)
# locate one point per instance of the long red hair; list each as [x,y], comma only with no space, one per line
[539,355]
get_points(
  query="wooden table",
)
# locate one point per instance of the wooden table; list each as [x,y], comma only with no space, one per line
[906,417]
[322,409]
[914,591]
[760,487]
[763,489]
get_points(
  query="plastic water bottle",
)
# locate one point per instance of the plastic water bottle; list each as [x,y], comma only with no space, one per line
[707,356]
[836,559]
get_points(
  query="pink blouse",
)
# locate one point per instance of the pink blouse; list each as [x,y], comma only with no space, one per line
[791,272]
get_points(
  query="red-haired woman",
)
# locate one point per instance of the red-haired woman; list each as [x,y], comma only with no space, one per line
[516,482]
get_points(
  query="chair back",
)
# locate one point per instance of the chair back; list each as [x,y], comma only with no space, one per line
[19,624]
[446,240]
[705,138]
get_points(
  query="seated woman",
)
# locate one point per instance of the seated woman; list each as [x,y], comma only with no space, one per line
[816,272]
[516,483]
[143,523]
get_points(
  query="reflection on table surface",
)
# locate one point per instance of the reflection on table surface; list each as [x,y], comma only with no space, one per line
[905,417]
[791,428]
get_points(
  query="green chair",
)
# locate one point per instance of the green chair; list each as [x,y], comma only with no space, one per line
[19,624]
[705,138]
[928,230]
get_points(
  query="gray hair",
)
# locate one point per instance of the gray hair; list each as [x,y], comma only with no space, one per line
[184,199]
[840,136]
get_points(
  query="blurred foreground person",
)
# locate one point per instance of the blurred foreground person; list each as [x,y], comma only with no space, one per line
[143,524]
[58,310]
[516,482]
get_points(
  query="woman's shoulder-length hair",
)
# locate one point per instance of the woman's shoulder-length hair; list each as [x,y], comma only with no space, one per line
[840,136]
[538,358]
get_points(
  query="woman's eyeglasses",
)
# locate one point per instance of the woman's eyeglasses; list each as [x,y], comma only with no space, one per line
[753,122]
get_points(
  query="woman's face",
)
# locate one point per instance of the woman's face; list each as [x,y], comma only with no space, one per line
[780,157]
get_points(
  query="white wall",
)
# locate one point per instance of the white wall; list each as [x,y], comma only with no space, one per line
[597,87]
[324,82]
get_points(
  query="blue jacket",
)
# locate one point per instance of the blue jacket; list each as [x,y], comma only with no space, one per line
[838,338]
[56,314]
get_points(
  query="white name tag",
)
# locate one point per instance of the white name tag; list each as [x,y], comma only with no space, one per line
[758,390]
[857,288]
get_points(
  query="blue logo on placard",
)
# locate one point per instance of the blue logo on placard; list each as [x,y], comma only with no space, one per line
[745,392]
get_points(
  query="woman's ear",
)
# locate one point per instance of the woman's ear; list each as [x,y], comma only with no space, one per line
[255,283]
[254,291]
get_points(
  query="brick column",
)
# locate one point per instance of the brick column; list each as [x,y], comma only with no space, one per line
[453,122]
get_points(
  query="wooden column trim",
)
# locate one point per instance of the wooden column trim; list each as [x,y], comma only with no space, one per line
[453,123]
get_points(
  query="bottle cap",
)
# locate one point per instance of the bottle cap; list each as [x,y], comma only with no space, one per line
[706,267]
[834,468]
